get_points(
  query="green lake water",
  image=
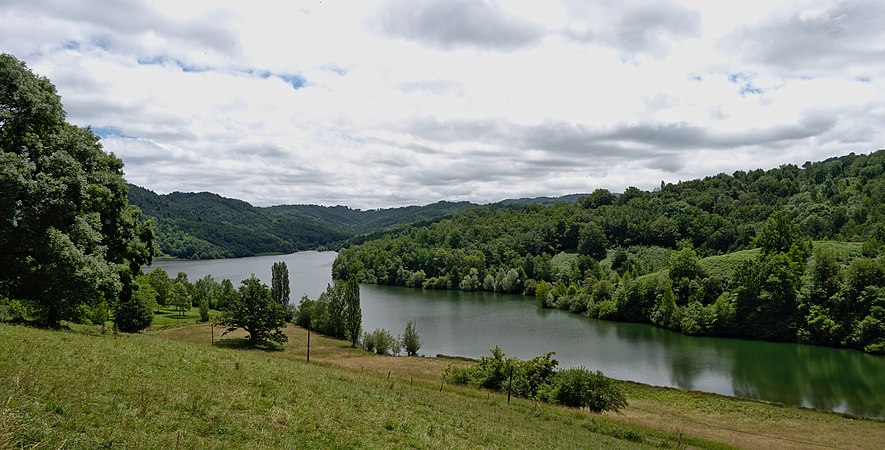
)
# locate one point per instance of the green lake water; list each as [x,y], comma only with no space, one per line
[471,323]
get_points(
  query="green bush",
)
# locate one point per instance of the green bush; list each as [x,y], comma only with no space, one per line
[133,316]
[606,309]
[531,376]
[98,314]
[538,379]
[381,342]
[581,388]
[12,310]
[458,375]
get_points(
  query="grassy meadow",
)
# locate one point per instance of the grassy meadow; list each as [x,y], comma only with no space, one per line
[172,388]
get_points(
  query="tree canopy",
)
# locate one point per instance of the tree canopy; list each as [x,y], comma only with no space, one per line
[255,311]
[67,234]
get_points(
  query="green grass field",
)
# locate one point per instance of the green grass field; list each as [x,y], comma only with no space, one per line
[725,265]
[169,317]
[63,389]
[171,388]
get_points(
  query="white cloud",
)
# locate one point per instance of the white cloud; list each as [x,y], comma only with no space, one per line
[387,103]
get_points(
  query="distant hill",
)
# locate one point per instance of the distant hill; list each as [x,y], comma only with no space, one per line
[365,221]
[543,201]
[205,225]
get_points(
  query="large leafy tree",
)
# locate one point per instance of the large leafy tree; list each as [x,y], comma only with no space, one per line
[255,311]
[67,234]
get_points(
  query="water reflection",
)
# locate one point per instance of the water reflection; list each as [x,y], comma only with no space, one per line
[469,324]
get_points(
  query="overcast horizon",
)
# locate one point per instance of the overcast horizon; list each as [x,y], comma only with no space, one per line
[388,103]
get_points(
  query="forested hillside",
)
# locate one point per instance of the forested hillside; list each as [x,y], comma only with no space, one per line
[363,221]
[636,256]
[205,225]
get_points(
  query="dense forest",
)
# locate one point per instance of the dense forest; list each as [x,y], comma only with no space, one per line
[205,225]
[790,254]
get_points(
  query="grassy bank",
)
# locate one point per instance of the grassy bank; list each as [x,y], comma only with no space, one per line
[172,388]
[73,390]
[744,423]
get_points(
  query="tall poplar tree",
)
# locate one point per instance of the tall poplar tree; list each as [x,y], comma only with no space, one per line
[353,313]
[279,284]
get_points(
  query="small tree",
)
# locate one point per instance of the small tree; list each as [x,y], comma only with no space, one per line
[204,309]
[228,294]
[98,314]
[335,323]
[256,312]
[279,285]
[592,240]
[161,283]
[180,298]
[135,314]
[353,314]
[148,294]
[411,339]
[181,278]
[207,290]
[779,234]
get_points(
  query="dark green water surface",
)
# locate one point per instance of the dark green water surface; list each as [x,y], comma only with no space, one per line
[471,323]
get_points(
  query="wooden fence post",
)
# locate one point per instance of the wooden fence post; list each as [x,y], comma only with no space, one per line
[510,385]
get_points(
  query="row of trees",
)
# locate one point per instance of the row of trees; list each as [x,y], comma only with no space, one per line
[335,313]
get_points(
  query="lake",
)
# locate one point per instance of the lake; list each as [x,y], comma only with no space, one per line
[471,323]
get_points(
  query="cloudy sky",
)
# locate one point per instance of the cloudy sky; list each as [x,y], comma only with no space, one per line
[395,102]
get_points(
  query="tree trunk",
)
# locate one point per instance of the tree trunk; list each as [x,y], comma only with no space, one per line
[52,316]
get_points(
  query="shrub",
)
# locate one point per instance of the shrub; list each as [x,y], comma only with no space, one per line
[367,342]
[416,279]
[381,342]
[133,315]
[492,372]
[458,375]
[13,310]
[98,314]
[532,375]
[581,388]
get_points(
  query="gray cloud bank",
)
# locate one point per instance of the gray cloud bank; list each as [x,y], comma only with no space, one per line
[411,102]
